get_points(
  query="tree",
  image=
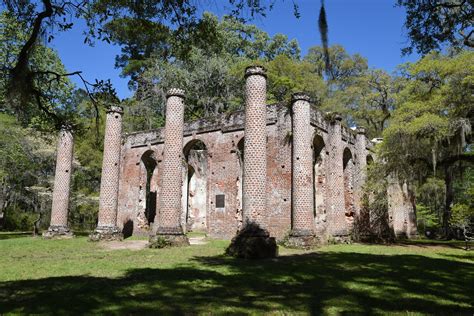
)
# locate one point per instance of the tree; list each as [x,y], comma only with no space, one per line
[210,84]
[431,24]
[287,76]
[344,67]
[429,132]
[53,93]
[26,167]
[45,17]
[370,100]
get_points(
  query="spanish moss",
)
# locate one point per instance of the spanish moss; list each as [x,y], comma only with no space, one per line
[323,30]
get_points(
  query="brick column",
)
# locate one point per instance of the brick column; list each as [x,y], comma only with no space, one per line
[62,185]
[302,232]
[255,144]
[107,228]
[253,241]
[337,226]
[169,231]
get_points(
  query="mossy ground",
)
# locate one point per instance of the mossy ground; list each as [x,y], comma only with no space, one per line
[79,277]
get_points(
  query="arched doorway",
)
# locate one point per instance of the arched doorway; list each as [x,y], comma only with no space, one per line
[147,190]
[349,168]
[367,198]
[239,182]
[369,160]
[319,173]
[194,215]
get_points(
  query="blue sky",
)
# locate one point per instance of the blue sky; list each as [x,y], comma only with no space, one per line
[373,28]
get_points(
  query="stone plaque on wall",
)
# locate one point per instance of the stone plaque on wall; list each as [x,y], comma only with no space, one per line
[220,200]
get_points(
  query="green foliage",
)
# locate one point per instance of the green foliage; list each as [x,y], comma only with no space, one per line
[50,91]
[430,202]
[287,76]
[462,214]
[427,219]
[431,123]
[435,24]
[210,85]
[18,220]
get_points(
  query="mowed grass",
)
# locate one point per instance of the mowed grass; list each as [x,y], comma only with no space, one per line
[78,277]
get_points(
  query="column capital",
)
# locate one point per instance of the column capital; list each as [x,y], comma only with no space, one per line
[300,96]
[334,117]
[115,109]
[361,130]
[66,127]
[255,70]
[175,92]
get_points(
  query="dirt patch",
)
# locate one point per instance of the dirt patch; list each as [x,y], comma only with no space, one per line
[126,244]
[197,241]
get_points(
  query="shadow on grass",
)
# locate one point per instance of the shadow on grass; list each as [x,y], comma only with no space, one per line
[311,283]
[454,244]
[12,235]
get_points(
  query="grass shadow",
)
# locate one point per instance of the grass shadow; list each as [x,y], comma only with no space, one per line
[12,235]
[313,283]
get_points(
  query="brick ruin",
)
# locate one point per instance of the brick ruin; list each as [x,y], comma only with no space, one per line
[293,170]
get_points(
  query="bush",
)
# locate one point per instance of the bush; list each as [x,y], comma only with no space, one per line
[18,220]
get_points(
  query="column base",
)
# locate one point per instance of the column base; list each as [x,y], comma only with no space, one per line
[168,240]
[168,237]
[302,239]
[340,239]
[252,242]
[58,231]
[106,233]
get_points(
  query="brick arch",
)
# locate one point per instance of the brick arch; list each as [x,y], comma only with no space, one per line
[240,146]
[320,177]
[318,144]
[195,189]
[194,144]
[348,172]
[346,157]
[369,160]
[148,188]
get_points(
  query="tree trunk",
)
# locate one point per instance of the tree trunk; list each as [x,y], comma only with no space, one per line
[448,180]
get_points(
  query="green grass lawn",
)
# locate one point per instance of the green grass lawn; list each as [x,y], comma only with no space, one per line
[78,277]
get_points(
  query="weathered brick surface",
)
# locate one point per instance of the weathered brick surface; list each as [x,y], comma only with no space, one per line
[109,184]
[320,160]
[337,225]
[110,168]
[302,180]
[349,176]
[224,171]
[255,144]
[169,210]
[401,209]
[62,184]
[335,197]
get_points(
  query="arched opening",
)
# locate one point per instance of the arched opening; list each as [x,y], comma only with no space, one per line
[319,174]
[369,160]
[367,199]
[348,166]
[147,190]
[194,215]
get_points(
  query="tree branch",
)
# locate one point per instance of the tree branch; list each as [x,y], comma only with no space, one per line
[24,55]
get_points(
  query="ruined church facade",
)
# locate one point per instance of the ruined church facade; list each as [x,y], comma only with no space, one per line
[299,173]
[333,172]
